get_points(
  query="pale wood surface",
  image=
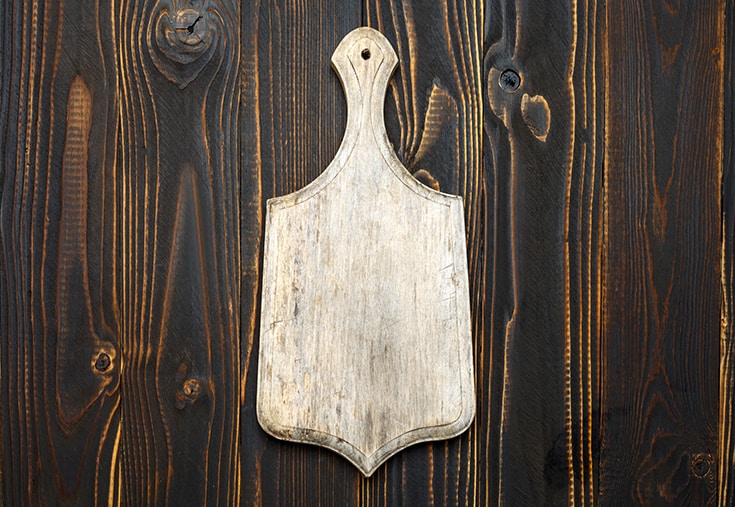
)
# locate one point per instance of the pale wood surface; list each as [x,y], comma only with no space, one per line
[365,345]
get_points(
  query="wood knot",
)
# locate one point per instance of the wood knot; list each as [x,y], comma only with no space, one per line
[190,388]
[509,80]
[702,466]
[103,362]
[505,83]
[181,41]
[103,359]
[189,392]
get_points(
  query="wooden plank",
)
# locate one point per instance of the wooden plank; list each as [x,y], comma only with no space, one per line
[59,280]
[178,162]
[434,118]
[726,465]
[583,256]
[292,120]
[543,174]
[365,347]
[662,261]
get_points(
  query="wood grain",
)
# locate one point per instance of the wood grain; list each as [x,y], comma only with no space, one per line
[543,172]
[292,122]
[583,255]
[662,259]
[178,159]
[433,116]
[726,465]
[139,141]
[436,100]
[58,215]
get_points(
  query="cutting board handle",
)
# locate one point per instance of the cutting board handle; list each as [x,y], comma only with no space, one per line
[364,62]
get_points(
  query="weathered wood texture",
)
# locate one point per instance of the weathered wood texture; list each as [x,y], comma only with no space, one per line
[292,123]
[59,281]
[134,135]
[543,173]
[662,253]
[348,307]
[433,119]
[179,172]
[120,240]
[441,137]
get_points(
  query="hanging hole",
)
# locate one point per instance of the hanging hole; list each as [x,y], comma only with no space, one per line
[365,54]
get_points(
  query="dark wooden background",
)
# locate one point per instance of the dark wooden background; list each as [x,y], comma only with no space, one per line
[592,142]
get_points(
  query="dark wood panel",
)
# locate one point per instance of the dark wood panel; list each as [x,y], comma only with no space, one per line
[179,171]
[583,243]
[662,262]
[584,259]
[140,139]
[726,465]
[293,117]
[59,280]
[543,171]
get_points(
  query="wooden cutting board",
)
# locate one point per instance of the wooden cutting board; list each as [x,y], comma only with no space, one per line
[365,339]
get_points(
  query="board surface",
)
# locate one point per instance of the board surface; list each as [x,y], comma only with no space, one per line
[365,345]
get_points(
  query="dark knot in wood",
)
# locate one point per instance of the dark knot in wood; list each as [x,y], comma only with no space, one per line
[700,464]
[103,362]
[189,391]
[182,40]
[509,80]
[191,388]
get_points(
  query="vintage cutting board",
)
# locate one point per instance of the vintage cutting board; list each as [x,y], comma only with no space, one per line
[365,339]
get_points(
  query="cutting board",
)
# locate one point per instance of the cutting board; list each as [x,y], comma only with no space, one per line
[365,338]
